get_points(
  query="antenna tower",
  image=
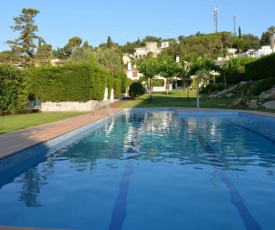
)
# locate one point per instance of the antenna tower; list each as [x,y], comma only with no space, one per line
[234,20]
[216,18]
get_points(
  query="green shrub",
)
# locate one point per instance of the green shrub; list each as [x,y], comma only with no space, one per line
[136,90]
[13,88]
[214,87]
[262,85]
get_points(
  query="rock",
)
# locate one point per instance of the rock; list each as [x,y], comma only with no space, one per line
[264,95]
[212,96]
[235,103]
[253,104]
[272,94]
[269,105]
[229,95]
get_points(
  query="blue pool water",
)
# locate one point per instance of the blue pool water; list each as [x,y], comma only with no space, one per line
[150,170]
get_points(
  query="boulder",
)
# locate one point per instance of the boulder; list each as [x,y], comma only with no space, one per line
[229,95]
[264,95]
[235,103]
[269,105]
[253,104]
[212,96]
[272,94]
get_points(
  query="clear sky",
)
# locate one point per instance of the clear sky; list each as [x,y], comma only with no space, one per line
[95,20]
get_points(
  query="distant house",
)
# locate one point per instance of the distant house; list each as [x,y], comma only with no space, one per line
[58,62]
[221,60]
[164,44]
[132,72]
[134,75]
[150,47]
[265,50]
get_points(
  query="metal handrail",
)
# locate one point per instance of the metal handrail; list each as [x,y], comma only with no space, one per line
[97,106]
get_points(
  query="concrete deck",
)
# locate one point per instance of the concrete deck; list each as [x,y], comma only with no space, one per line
[13,142]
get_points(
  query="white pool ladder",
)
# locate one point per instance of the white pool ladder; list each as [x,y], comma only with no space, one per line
[97,106]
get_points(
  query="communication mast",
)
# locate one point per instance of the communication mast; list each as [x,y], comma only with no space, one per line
[234,20]
[216,18]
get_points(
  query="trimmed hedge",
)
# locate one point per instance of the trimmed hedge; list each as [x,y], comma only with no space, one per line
[263,85]
[71,82]
[119,83]
[98,77]
[13,89]
[261,68]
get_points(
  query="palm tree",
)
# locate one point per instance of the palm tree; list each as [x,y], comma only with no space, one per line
[271,31]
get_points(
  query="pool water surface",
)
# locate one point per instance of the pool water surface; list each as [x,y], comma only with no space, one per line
[152,170]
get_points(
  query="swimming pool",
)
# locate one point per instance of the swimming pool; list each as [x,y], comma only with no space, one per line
[150,170]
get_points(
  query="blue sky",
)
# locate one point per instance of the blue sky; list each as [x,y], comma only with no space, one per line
[95,20]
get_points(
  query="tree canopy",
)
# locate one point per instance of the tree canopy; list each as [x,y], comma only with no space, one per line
[23,48]
[73,43]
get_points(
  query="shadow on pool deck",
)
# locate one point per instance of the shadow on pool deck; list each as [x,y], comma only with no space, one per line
[22,139]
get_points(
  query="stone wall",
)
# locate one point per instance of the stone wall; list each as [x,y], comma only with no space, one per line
[68,106]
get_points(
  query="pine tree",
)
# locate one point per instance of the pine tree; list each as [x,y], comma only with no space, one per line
[23,48]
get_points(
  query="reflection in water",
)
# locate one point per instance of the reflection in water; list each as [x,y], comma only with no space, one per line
[32,181]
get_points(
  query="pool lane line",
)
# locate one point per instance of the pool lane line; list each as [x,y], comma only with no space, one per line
[120,207]
[235,197]
[119,210]
[253,131]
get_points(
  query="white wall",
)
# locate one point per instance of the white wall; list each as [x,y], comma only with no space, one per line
[74,106]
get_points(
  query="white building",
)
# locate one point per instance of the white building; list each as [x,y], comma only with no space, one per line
[164,44]
[150,47]
[265,50]
[132,72]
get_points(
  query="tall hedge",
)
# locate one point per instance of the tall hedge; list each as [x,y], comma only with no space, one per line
[99,78]
[13,88]
[71,82]
[261,68]
[120,83]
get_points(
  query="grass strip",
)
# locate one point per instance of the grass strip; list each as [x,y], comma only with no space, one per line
[16,122]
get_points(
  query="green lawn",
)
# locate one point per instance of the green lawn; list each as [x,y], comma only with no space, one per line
[176,98]
[16,122]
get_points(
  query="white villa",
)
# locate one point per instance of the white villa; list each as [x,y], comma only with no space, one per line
[150,47]
[132,72]
[265,50]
